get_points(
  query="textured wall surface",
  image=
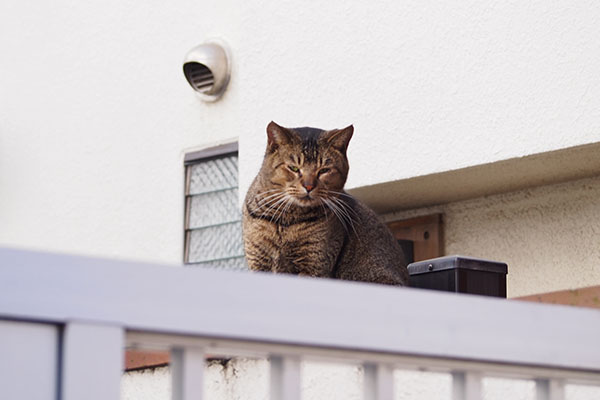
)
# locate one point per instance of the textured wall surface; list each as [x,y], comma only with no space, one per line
[248,380]
[549,235]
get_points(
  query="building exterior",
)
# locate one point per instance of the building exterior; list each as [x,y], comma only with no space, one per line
[488,114]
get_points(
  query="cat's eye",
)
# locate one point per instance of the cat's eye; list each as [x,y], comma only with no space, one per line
[324,170]
[293,168]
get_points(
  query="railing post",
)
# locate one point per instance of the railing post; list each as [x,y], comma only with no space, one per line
[285,378]
[29,355]
[549,389]
[378,382]
[187,373]
[466,386]
[92,362]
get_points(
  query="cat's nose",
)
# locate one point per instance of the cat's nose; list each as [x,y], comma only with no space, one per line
[308,187]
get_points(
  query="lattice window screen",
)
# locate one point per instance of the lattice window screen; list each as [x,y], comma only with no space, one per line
[213,227]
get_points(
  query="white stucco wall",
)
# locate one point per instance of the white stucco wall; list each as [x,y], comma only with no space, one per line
[95,117]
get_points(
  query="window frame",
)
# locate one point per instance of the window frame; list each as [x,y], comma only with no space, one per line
[191,158]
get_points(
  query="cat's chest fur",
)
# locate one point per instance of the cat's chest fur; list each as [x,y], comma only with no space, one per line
[299,244]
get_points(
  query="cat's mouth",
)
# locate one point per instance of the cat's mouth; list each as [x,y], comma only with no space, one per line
[307,200]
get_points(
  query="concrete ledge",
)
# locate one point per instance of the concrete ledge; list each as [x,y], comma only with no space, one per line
[482,180]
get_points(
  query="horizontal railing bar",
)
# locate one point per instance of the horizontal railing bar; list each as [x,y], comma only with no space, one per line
[225,348]
[266,308]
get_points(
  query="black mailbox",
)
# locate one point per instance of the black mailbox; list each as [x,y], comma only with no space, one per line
[460,274]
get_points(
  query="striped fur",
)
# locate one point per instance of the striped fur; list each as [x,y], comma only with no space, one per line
[298,219]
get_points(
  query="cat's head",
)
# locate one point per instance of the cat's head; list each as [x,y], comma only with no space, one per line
[306,165]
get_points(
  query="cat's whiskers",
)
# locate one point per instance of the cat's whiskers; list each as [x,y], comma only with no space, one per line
[322,204]
[283,201]
[335,210]
[277,204]
[272,204]
[268,191]
[338,193]
[271,201]
[341,212]
[341,201]
[345,206]
[266,198]
[275,208]
[351,214]
[289,202]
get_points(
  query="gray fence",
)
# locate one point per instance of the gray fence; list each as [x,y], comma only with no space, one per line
[65,322]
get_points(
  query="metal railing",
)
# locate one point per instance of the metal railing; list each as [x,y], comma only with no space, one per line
[90,310]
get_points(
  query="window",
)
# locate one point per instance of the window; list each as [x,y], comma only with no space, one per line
[213,226]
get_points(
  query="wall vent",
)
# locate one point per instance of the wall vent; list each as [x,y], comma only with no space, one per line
[199,76]
[207,69]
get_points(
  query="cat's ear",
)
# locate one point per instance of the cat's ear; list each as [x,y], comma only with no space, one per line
[277,136]
[340,138]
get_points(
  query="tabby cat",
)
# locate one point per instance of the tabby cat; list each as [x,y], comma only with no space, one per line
[298,219]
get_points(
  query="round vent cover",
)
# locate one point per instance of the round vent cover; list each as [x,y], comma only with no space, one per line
[207,69]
